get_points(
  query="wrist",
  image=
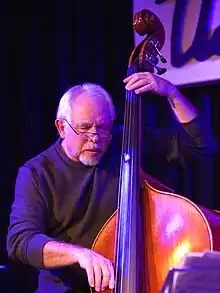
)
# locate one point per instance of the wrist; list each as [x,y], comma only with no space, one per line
[75,250]
[173,92]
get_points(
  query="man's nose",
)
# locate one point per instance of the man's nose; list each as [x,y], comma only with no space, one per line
[94,137]
[94,129]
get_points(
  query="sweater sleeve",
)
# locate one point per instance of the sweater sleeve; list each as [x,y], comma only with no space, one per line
[26,233]
[198,138]
[192,141]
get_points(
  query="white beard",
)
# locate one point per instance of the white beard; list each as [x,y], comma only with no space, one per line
[89,161]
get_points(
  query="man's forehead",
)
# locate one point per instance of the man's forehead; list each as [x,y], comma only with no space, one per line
[89,99]
[88,122]
[85,106]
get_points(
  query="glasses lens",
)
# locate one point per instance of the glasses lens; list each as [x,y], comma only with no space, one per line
[100,135]
[105,136]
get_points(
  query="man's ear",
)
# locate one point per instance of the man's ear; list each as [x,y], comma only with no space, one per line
[60,127]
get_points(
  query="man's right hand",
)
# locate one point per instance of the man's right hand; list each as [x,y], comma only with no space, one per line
[100,271]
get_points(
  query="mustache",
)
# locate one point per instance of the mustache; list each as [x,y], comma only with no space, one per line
[91,147]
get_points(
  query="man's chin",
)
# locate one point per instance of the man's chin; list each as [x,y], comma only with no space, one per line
[89,161]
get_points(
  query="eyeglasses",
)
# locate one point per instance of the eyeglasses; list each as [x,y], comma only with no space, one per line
[90,135]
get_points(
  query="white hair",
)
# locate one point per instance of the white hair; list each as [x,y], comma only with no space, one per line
[95,90]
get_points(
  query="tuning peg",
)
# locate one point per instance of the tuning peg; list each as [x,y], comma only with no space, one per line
[160,70]
[163,59]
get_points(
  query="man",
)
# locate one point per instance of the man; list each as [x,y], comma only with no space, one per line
[64,196]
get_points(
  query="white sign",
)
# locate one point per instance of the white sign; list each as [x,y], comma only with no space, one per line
[192,42]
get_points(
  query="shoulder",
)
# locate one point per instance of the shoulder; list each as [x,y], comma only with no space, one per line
[44,160]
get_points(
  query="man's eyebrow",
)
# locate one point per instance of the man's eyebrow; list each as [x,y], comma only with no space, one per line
[100,124]
[83,123]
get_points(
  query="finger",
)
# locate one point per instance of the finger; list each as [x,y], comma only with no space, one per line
[137,81]
[87,266]
[98,275]
[112,276]
[132,81]
[136,85]
[128,78]
[106,275]
[107,271]
[137,75]
[132,78]
[144,89]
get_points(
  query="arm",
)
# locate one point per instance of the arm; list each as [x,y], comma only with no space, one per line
[28,220]
[191,141]
[146,82]
[193,137]
[182,107]
[28,243]
[99,270]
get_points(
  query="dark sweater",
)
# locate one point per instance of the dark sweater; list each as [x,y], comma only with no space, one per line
[56,198]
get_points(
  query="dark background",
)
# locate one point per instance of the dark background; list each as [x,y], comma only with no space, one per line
[46,47]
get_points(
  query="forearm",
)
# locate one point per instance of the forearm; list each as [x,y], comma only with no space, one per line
[58,254]
[182,107]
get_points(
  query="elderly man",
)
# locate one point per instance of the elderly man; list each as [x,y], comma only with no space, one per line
[64,195]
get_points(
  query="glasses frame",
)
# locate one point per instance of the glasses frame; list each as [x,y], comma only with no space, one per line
[88,134]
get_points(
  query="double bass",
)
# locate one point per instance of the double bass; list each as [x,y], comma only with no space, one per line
[152,228]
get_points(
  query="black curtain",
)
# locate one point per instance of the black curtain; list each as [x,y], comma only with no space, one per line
[48,46]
